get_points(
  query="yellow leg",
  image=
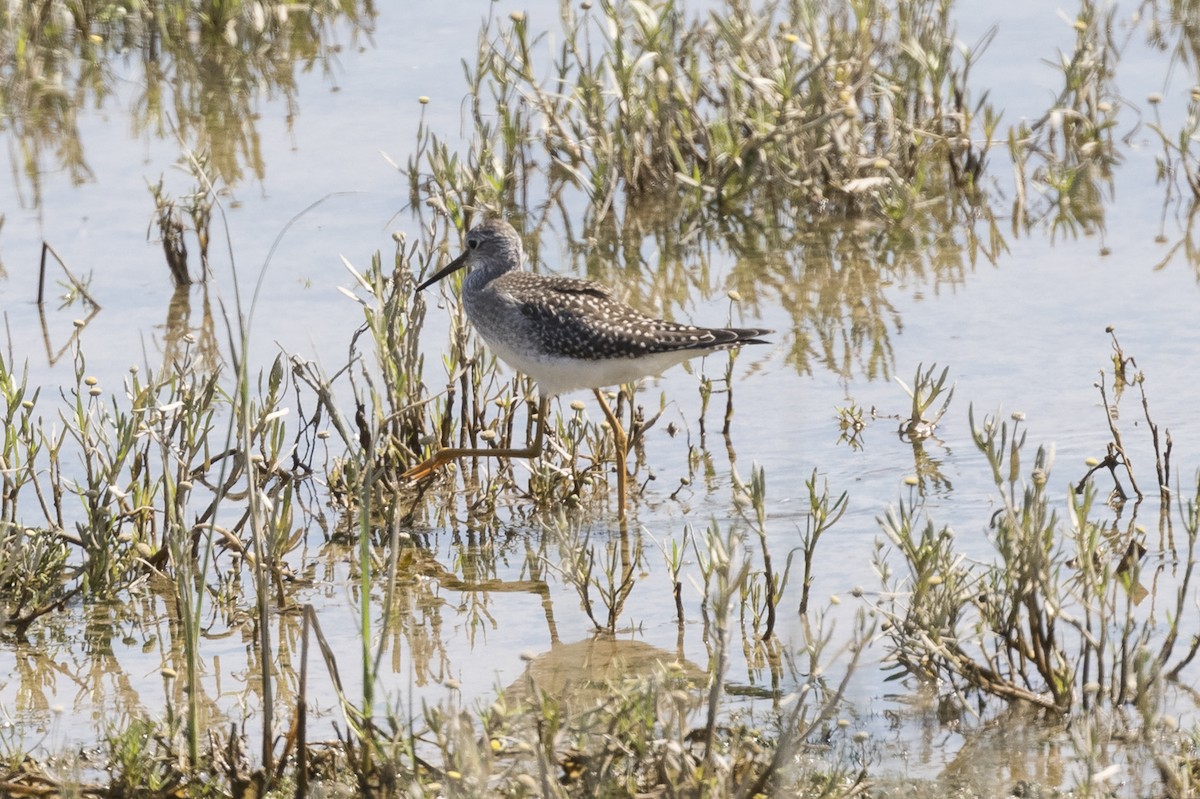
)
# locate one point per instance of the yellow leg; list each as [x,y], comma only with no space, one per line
[444,456]
[621,442]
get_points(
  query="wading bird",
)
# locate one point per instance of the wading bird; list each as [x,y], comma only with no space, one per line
[566,334]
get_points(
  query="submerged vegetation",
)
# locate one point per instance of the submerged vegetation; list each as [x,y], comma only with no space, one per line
[833,149]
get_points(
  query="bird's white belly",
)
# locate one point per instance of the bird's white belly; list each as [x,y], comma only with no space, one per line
[554,375]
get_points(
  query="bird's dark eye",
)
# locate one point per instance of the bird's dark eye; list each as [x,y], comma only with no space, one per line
[472,243]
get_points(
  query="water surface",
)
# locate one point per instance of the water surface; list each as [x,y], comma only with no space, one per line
[1024,331]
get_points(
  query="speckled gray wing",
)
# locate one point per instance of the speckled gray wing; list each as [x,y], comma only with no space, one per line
[576,318]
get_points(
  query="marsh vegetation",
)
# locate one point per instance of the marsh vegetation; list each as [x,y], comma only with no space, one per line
[787,162]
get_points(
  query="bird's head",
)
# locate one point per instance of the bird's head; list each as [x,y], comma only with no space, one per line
[492,245]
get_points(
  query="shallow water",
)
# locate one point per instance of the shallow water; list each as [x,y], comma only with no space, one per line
[1025,333]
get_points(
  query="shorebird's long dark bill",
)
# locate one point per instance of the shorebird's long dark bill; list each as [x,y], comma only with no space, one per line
[453,266]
